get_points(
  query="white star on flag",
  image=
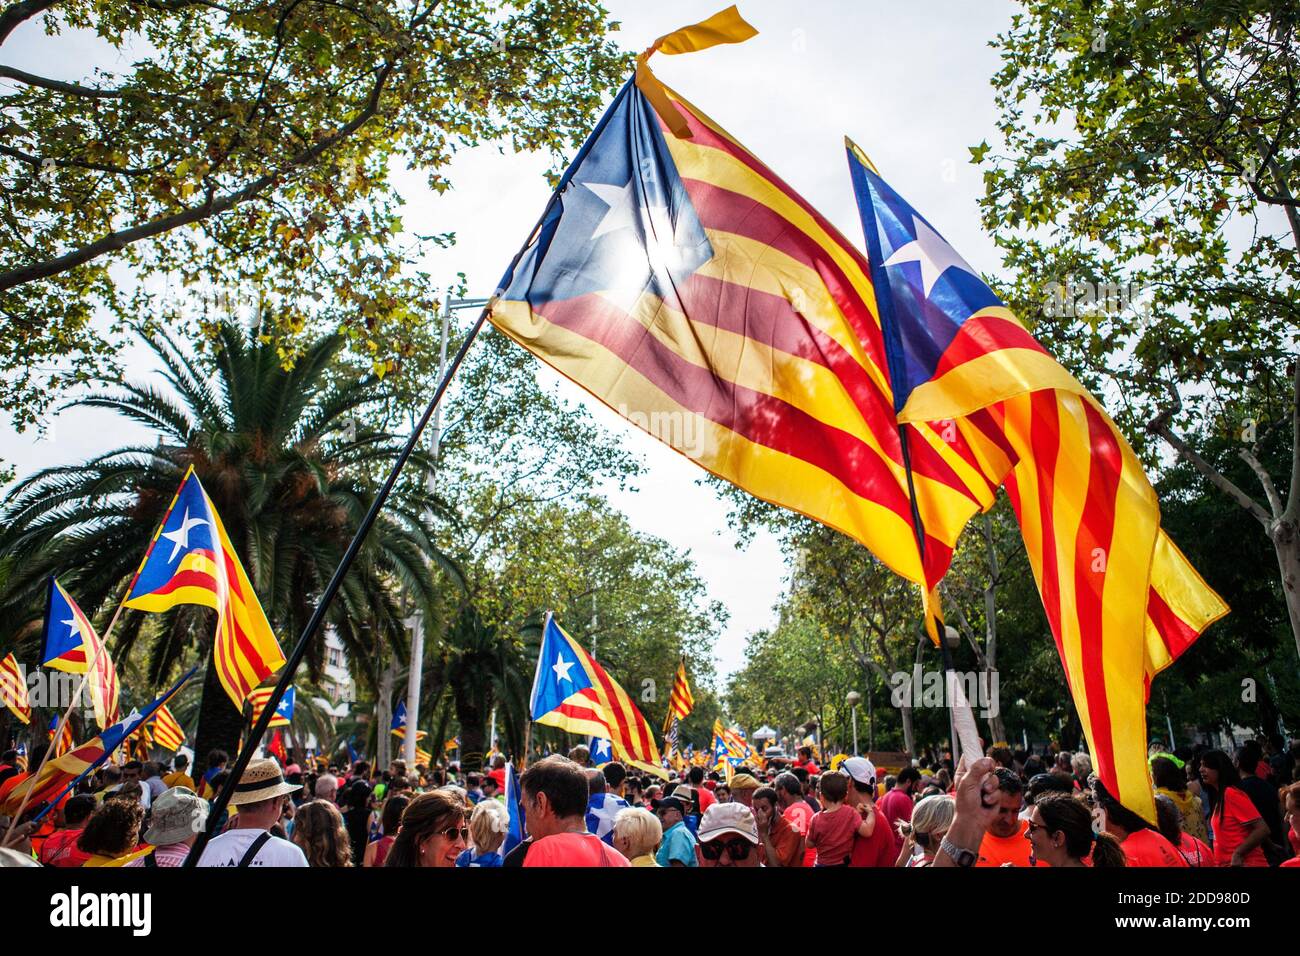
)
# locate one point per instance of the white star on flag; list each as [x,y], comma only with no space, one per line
[180,538]
[72,627]
[932,252]
[561,668]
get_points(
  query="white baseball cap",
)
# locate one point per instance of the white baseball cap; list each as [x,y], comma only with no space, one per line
[860,769]
[723,818]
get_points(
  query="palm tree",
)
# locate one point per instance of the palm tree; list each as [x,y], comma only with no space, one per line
[291,465]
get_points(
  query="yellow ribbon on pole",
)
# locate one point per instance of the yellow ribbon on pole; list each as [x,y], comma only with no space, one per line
[726,26]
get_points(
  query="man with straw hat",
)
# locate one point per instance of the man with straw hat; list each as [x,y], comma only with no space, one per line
[176,821]
[260,796]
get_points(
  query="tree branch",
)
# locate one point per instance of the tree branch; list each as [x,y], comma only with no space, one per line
[58,86]
[1292,513]
[17,13]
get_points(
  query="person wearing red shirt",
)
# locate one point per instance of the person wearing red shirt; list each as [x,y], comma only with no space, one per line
[1142,845]
[1239,830]
[876,849]
[555,792]
[60,848]
[706,796]
[897,804]
[795,810]
[806,762]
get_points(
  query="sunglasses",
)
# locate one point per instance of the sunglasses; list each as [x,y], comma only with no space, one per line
[452,832]
[737,848]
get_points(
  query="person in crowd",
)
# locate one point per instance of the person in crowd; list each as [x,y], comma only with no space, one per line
[602,806]
[1143,845]
[259,796]
[743,786]
[1254,772]
[217,760]
[581,755]
[327,787]
[555,792]
[355,802]
[1292,805]
[703,796]
[490,789]
[1238,828]
[179,777]
[723,793]
[876,848]
[498,772]
[176,819]
[728,836]
[835,827]
[637,835]
[152,774]
[896,805]
[805,761]
[1081,764]
[488,825]
[782,844]
[111,836]
[1170,779]
[60,848]
[474,787]
[390,819]
[1060,834]
[319,831]
[432,831]
[1004,842]
[1062,767]
[677,847]
[795,809]
[924,831]
[1170,823]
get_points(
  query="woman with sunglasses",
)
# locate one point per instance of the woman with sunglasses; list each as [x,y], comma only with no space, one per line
[1061,835]
[432,831]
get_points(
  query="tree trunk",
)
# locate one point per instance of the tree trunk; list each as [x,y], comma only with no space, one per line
[384,715]
[1286,542]
[472,715]
[220,722]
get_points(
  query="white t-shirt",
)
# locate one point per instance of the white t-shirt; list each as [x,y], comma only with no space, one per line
[229,848]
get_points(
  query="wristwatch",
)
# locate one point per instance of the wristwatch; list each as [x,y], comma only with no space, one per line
[960,857]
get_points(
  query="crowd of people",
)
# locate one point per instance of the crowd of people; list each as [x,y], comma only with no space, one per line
[1004,809]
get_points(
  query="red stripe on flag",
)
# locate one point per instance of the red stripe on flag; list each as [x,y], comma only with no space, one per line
[982,335]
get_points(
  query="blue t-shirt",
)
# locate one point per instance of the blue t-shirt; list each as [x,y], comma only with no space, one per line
[679,844]
[487,859]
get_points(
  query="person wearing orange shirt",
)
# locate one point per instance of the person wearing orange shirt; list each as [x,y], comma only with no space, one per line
[1239,830]
[1143,845]
[1060,834]
[1004,843]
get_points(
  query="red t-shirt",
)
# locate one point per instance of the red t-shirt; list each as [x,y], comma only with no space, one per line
[1149,848]
[1195,851]
[707,798]
[573,849]
[877,849]
[60,849]
[1231,825]
[996,850]
[499,775]
[799,816]
[894,806]
[831,835]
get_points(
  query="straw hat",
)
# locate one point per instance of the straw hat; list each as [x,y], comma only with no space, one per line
[177,814]
[262,780]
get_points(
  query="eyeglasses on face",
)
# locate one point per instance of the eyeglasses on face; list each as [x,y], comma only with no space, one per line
[452,832]
[737,848]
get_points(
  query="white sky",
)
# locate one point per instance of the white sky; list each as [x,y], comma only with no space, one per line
[908,81]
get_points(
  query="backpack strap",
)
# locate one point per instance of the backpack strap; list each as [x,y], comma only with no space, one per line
[254,847]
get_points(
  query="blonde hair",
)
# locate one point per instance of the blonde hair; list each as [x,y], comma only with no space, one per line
[319,832]
[488,825]
[640,828]
[932,814]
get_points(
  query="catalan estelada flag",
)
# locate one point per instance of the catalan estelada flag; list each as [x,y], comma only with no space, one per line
[398,725]
[686,286]
[167,731]
[70,645]
[65,739]
[1121,600]
[13,689]
[283,711]
[573,692]
[191,561]
[681,701]
[55,776]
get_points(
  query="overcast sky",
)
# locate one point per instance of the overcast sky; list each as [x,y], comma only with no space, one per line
[908,81]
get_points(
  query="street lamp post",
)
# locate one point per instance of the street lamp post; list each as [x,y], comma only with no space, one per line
[853,700]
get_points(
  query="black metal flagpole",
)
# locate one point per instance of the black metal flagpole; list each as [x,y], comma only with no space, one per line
[363,530]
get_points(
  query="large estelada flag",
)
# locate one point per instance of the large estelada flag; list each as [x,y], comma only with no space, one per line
[681,701]
[1121,599]
[13,689]
[573,692]
[192,561]
[686,286]
[398,725]
[70,644]
[58,773]
[283,715]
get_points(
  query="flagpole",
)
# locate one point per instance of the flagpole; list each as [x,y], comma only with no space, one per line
[363,530]
[918,528]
